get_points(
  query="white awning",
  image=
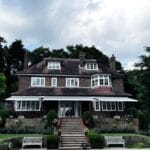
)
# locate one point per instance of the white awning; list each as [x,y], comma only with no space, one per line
[23,98]
[116,99]
[70,98]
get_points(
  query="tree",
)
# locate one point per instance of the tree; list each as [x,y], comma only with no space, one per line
[139,80]
[2,54]
[91,53]
[2,84]
[38,54]
[59,53]
[16,56]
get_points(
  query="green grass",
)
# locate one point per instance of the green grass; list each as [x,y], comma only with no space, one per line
[141,144]
[127,134]
[9,136]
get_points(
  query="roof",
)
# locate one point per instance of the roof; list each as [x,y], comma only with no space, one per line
[69,92]
[68,67]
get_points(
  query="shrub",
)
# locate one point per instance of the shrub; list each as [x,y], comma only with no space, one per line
[132,111]
[4,146]
[88,119]
[143,120]
[96,140]
[3,114]
[51,115]
[16,142]
[52,141]
[99,130]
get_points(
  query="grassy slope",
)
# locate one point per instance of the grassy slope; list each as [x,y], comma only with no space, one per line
[128,134]
[9,136]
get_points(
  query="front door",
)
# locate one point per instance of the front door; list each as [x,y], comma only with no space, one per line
[68,109]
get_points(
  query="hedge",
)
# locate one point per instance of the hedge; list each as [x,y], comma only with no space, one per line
[3,146]
[96,140]
[52,141]
[99,130]
[26,131]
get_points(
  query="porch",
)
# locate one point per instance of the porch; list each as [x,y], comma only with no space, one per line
[73,106]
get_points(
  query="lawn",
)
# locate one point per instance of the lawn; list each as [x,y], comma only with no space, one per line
[128,134]
[134,140]
[9,136]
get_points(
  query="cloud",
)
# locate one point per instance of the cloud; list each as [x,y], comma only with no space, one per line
[114,26]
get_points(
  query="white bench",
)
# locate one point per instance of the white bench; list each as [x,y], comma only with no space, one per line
[32,141]
[114,140]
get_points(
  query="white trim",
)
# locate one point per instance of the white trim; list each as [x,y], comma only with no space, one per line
[73,98]
[53,82]
[116,99]
[71,82]
[41,83]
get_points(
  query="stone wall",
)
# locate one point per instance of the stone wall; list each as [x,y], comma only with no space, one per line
[119,124]
[25,123]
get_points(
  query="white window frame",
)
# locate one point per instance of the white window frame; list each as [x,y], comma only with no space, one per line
[27,105]
[53,82]
[54,65]
[41,83]
[110,104]
[91,66]
[70,82]
[122,106]
[95,80]
[99,106]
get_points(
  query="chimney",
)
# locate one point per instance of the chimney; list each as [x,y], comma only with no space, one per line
[25,60]
[112,62]
[82,58]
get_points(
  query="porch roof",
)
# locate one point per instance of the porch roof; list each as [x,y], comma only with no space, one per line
[70,98]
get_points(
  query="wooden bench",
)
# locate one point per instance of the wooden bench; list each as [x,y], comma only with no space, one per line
[114,140]
[32,141]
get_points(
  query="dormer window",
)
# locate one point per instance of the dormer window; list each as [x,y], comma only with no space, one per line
[100,80]
[53,65]
[91,66]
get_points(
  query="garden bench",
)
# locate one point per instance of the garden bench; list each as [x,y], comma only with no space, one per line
[114,140]
[32,141]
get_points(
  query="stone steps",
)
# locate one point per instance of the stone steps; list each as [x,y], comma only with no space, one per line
[72,135]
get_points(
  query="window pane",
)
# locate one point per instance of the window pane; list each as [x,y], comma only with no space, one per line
[23,105]
[113,105]
[18,105]
[37,105]
[106,81]
[108,105]
[101,81]
[97,105]
[120,106]
[104,106]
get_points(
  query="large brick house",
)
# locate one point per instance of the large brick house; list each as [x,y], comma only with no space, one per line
[71,87]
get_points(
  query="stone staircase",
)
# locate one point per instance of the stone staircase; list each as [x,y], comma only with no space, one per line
[72,134]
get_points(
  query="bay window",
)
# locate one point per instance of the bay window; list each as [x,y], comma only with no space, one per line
[100,80]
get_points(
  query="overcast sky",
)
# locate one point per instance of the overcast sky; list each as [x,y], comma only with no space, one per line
[121,27]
